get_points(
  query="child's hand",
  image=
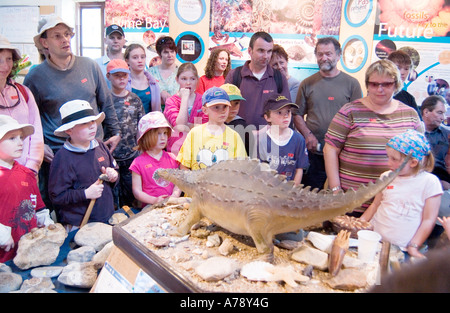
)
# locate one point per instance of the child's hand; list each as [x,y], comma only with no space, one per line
[94,191]
[111,173]
[8,245]
[184,92]
[445,221]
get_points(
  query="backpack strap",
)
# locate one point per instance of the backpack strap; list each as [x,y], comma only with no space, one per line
[237,77]
[278,80]
[23,91]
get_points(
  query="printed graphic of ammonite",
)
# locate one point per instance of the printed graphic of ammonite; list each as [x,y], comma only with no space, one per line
[305,16]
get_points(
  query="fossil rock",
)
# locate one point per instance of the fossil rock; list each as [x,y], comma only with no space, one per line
[46,271]
[103,254]
[96,235]
[348,279]
[9,282]
[40,246]
[217,268]
[305,254]
[37,285]
[81,254]
[81,275]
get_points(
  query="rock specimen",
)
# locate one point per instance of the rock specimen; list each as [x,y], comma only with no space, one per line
[46,271]
[308,255]
[81,275]
[37,285]
[9,282]
[81,254]
[40,246]
[216,268]
[96,235]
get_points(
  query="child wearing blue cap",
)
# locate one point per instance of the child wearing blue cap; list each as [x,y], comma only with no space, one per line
[405,212]
[213,141]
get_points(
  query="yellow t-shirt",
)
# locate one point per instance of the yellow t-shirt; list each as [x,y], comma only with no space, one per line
[202,149]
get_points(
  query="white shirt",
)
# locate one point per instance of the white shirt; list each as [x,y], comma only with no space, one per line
[400,212]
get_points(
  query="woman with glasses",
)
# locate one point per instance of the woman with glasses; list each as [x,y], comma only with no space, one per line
[355,143]
[18,102]
[166,72]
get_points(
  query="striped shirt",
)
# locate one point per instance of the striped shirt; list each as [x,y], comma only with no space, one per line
[362,134]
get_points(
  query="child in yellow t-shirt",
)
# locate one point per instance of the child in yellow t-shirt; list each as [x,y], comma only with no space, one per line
[213,141]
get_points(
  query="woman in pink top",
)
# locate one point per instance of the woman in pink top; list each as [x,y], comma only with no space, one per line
[216,69]
[184,109]
[18,102]
[153,133]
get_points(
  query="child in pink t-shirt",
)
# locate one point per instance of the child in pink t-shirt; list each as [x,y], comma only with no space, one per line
[153,134]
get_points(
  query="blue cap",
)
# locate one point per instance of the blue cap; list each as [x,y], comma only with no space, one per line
[215,95]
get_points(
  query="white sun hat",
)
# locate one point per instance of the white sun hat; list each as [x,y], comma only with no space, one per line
[76,112]
[7,124]
[5,44]
[45,24]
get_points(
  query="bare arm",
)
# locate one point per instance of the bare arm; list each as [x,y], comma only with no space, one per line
[429,215]
[310,139]
[298,176]
[331,157]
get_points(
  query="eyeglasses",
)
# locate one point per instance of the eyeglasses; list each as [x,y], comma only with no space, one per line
[377,85]
[59,37]
[18,98]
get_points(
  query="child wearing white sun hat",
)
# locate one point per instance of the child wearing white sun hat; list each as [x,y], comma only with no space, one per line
[75,170]
[22,208]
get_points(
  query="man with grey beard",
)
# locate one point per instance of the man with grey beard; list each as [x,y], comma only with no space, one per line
[320,96]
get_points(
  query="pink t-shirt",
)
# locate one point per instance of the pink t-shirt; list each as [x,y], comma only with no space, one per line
[146,165]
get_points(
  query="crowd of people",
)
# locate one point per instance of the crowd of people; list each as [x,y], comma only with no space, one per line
[74,119]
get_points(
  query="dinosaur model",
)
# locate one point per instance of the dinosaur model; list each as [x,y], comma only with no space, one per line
[246,197]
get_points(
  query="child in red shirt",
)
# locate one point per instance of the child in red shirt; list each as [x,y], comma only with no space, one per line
[22,208]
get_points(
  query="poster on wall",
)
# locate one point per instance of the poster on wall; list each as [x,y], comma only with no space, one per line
[422,29]
[142,21]
[294,24]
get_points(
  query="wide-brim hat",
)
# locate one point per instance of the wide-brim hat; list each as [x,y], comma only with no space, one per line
[151,120]
[45,24]
[5,44]
[7,124]
[76,112]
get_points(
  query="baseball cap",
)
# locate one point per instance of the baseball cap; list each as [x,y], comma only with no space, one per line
[233,92]
[151,120]
[7,124]
[76,112]
[215,95]
[117,65]
[45,24]
[114,29]
[276,102]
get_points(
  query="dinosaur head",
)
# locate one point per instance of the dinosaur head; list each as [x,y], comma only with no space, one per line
[183,179]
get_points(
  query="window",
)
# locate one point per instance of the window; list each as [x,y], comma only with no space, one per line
[91,29]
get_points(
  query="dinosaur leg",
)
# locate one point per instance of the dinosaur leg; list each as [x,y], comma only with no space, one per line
[192,217]
[257,228]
